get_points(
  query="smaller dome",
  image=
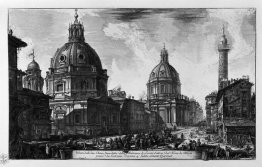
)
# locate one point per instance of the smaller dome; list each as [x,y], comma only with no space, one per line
[33,65]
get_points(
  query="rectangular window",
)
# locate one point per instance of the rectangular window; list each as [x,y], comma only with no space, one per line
[166,89]
[77,118]
[59,87]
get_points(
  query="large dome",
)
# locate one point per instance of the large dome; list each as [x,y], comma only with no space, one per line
[76,54]
[164,71]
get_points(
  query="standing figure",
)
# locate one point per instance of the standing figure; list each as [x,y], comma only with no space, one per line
[47,150]
[227,152]
[182,136]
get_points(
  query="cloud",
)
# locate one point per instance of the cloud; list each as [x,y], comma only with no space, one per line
[132,80]
[130,15]
[93,12]
[192,50]
[239,47]
[23,55]
[129,45]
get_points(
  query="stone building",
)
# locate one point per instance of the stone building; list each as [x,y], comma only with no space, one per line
[133,117]
[75,79]
[92,117]
[35,120]
[199,114]
[192,113]
[235,118]
[195,112]
[29,113]
[16,107]
[253,106]
[211,111]
[230,111]
[164,95]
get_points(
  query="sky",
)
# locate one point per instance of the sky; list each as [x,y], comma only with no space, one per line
[129,41]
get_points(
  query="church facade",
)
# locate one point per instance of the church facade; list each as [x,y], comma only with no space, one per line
[78,84]
[164,95]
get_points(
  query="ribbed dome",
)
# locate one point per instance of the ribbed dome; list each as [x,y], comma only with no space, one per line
[33,65]
[163,80]
[76,54]
[164,71]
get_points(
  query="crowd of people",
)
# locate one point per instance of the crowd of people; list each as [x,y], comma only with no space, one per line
[217,152]
[163,140]
[141,141]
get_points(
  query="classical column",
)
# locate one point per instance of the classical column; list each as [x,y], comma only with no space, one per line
[173,113]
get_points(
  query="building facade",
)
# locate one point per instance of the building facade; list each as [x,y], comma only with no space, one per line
[90,117]
[133,117]
[35,120]
[235,118]
[16,107]
[211,111]
[29,113]
[75,79]
[164,95]
[195,112]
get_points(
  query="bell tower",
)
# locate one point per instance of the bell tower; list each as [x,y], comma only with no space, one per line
[223,49]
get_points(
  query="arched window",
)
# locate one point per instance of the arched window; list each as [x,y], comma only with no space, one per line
[81,57]
[152,90]
[162,89]
[29,85]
